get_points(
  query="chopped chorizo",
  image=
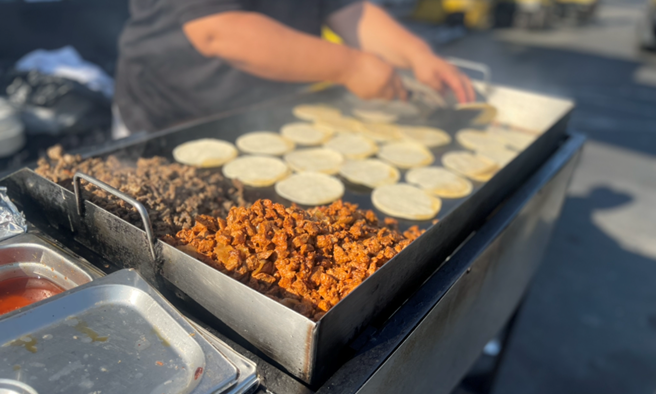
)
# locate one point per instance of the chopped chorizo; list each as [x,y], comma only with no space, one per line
[307,260]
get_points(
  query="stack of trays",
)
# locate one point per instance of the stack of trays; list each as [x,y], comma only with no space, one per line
[115,334]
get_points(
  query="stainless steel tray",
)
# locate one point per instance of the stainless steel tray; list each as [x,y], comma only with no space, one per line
[307,349]
[114,335]
[248,379]
[30,255]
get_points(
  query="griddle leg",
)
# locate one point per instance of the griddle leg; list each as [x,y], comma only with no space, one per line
[483,375]
[506,334]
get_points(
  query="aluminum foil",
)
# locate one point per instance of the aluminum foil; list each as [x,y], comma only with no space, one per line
[12,221]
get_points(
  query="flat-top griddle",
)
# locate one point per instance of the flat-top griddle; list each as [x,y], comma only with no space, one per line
[308,350]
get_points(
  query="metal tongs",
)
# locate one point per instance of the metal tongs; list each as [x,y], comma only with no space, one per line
[435,100]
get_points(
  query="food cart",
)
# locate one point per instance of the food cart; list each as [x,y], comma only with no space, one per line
[415,325]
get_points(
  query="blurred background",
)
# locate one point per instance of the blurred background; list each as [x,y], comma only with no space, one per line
[588,324]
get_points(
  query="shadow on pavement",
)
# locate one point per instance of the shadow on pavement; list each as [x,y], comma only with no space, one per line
[577,333]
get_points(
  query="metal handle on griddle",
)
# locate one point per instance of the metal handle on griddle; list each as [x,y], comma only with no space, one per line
[152,241]
[475,66]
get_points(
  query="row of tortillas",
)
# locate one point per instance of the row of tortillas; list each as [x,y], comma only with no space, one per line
[252,170]
[405,147]
[209,152]
[401,154]
[376,124]
[328,120]
[314,188]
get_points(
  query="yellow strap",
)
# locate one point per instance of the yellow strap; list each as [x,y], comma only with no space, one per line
[330,35]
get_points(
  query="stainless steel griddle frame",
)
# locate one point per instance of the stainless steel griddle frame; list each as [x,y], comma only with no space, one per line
[306,349]
[431,341]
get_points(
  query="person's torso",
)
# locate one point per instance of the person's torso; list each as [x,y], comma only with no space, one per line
[162,80]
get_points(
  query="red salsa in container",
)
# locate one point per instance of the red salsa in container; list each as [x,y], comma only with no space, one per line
[21,291]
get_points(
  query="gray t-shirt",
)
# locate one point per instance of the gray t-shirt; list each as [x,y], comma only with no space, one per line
[162,80]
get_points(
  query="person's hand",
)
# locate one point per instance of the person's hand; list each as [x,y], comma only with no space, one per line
[370,77]
[435,72]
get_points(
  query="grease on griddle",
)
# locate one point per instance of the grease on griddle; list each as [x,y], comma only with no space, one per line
[159,336]
[27,341]
[83,328]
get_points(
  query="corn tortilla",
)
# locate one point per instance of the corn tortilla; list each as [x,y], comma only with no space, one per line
[310,188]
[315,159]
[474,167]
[500,156]
[427,136]
[258,171]
[315,112]
[405,154]
[374,116]
[206,152]
[439,181]
[264,143]
[381,132]
[304,133]
[371,173]
[339,124]
[475,140]
[352,146]
[405,201]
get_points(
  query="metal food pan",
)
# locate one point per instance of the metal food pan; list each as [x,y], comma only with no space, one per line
[31,256]
[115,335]
[306,349]
[248,380]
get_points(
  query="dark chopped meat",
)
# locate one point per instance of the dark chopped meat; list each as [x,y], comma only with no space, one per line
[307,260]
[172,193]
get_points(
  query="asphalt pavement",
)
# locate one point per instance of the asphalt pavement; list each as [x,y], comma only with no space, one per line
[588,324]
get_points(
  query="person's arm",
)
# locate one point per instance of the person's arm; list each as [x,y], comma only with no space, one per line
[378,33]
[261,46]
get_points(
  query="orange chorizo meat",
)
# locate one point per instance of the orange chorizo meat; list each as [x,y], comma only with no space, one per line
[306,259]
